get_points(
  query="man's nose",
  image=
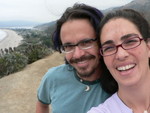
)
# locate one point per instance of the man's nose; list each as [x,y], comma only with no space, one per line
[78,52]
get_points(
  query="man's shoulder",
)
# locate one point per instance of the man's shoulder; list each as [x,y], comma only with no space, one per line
[59,71]
[61,68]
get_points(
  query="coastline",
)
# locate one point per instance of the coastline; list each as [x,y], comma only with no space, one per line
[3,34]
[12,39]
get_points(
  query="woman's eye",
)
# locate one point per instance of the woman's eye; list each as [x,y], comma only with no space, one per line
[107,49]
[130,41]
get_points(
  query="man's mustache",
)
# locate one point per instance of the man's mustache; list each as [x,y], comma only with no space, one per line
[89,57]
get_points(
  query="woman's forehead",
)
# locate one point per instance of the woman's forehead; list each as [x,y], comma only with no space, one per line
[116,28]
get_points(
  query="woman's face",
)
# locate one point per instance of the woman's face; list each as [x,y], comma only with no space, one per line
[128,67]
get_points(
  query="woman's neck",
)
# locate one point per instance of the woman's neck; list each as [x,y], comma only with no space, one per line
[136,97]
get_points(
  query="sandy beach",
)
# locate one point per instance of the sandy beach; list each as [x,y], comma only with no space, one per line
[12,39]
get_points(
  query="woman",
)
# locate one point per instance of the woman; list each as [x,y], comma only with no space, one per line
[125,47]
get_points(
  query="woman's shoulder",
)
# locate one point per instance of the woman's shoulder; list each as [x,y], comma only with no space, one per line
[105,107]
[112,105]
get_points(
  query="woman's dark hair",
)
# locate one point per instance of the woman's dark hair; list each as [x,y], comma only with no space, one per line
[131,15]
[108,82]
[78,11]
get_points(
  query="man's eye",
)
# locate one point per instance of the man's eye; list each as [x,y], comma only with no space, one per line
[68,46]
[86,42]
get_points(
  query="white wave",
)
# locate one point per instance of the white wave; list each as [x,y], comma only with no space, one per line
[3,34]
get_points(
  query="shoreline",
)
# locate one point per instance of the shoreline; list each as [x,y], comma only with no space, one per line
[3,34]
[12,39]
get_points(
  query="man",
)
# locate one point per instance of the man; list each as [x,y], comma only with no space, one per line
[75,86]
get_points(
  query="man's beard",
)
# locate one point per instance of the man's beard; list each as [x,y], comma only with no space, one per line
[83,71]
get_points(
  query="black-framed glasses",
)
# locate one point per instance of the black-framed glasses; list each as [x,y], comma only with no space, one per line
[84,44]
[129,43]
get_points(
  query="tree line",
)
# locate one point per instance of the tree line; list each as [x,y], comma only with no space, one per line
[35,45]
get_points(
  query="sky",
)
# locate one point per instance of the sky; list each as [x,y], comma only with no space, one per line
[46,10]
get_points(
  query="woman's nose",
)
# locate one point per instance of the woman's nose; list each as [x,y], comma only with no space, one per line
[121,53]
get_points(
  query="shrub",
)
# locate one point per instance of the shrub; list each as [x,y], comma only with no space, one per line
[12,62]
[35,52]
[34,46]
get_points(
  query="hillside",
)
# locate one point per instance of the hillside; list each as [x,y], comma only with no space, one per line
[141,6]
[18,90]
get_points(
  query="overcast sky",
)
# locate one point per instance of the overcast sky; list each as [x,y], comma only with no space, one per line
[46,10]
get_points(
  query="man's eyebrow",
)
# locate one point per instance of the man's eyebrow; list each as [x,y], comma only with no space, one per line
[67,43]
[83,40]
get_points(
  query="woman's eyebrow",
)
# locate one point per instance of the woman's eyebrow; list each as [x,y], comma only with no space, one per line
[128,36]
[124,37]
[107,42]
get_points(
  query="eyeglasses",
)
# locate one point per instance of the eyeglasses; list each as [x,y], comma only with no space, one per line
[84,44]
[131,42]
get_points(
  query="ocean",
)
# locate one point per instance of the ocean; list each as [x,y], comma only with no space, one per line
[2,35]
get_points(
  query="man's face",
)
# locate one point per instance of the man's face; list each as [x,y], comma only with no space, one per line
[85,61]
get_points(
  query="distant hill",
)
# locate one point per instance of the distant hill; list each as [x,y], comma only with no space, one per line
[141,6]
[18,23]
[46,26]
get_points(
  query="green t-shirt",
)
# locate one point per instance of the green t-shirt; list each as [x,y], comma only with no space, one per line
[66,93]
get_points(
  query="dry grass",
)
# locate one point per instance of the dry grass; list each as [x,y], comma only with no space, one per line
[18,90]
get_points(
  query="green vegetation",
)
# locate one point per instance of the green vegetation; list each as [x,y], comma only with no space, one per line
[12,62]
[35,45]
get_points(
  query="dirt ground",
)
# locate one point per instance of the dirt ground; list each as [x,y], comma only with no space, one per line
[18,91]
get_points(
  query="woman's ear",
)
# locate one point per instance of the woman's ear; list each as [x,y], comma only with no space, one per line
[148,45]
